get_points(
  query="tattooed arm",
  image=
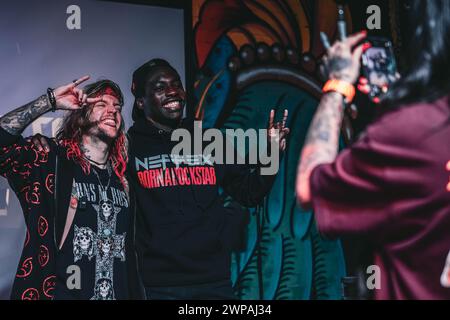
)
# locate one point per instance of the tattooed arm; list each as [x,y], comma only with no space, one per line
[322,141]
[67,97]
[17,120]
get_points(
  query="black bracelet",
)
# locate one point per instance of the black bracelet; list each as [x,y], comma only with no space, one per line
[51,97]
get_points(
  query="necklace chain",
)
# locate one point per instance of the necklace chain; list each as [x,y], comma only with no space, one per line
[95,162]
[108,168]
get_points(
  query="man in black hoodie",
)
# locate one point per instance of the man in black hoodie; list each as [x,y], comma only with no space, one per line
[184,232]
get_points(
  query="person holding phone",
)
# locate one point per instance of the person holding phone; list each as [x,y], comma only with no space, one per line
[391,186]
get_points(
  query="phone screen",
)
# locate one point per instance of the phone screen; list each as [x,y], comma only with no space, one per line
[379,67]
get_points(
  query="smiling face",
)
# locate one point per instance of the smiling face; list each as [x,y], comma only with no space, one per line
[164,97]
[106,118]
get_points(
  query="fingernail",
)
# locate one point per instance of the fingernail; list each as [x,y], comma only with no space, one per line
[364,32]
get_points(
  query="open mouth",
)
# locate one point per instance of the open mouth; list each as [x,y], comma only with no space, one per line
[110,122]
[173,106]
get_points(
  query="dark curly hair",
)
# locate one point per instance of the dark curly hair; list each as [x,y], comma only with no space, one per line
[428,54]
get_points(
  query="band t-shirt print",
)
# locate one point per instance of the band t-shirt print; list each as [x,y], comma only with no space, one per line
[91,264]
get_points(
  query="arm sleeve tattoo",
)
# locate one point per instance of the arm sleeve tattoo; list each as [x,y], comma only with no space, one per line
[322,141]
[16,121]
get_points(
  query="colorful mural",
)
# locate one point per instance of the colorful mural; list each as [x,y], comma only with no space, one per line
[253,56]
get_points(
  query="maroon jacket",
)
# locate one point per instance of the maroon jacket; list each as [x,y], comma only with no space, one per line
[393,187]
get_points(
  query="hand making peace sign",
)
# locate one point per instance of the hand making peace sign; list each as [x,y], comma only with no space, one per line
[69,97]
[279,138]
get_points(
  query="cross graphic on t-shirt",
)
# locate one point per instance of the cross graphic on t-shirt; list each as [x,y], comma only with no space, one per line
[104,246]
[109,245]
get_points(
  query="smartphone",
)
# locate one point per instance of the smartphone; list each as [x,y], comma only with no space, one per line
[379,68]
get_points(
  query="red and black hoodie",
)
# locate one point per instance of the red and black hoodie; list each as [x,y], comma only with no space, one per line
[184,234]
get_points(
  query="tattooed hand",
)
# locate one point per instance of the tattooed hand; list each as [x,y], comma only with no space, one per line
[343,63]
[69,97]
[321,145]
[280,137]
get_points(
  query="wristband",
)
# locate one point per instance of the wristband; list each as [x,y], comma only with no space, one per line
[342,87]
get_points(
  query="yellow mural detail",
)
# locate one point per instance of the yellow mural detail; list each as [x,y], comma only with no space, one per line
[302,22]
[196,6]
[282,19]
[266,17]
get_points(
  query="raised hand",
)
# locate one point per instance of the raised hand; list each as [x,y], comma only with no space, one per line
[342,62]
[69,97]
[280,136]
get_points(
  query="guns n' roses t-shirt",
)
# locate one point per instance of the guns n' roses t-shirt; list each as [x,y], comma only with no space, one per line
[91,263]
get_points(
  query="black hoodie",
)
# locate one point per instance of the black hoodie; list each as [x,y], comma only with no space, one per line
[184,233]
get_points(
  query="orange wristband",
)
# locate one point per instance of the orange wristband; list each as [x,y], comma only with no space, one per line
[342,87]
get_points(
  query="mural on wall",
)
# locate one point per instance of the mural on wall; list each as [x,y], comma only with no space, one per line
[253,56]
